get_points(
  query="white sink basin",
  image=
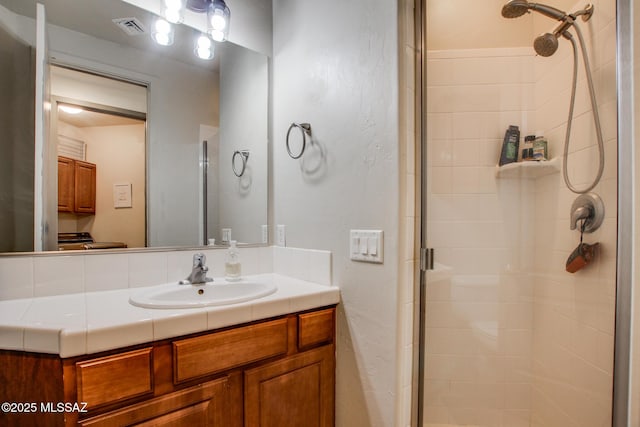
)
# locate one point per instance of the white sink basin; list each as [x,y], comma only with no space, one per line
[218,292]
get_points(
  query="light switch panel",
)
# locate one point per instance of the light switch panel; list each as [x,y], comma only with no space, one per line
[366,245]
[226,235]
[265,234]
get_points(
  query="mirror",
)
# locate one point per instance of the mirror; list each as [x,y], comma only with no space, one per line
[192,193]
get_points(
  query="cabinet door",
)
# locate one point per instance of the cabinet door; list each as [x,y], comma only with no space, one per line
[65,184]
[202,405]
[85,187]
[294,392]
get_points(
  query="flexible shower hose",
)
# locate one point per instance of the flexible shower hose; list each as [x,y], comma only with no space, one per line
[594,107]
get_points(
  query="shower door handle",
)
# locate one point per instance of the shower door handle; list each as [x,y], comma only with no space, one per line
[426,258]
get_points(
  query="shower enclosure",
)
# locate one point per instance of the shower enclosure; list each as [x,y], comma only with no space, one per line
[508,337]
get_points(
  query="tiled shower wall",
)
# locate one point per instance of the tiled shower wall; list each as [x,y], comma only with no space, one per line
[512,338]
[574,313]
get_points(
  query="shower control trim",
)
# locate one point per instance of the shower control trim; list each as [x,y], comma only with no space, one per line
[588,208]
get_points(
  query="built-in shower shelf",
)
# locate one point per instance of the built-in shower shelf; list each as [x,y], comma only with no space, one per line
[529,169]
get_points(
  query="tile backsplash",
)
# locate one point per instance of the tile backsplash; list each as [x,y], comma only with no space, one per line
[48,275]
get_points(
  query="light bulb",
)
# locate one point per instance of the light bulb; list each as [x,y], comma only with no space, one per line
[173,4]
[173,15]
[218,21]
[204,47]
[163,39]
[163,34]
[217,35]
[163,26]
[204,53]
[204,42]
[173,11]
[218,17]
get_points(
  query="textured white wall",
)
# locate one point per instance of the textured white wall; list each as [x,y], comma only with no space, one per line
[243,126]
[335,66]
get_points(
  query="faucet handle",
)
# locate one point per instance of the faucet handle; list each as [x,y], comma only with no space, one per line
[584,213]
[590,208]
[199,260]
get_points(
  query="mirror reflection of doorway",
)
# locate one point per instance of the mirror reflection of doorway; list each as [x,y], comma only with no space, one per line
[101,150]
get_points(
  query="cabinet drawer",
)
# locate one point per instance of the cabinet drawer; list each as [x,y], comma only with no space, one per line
[113,378]
[209,354]
[316,328]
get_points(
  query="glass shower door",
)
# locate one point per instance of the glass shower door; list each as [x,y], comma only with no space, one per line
[510,337]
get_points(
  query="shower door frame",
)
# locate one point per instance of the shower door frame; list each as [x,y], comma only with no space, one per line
[624,269]
[622,346]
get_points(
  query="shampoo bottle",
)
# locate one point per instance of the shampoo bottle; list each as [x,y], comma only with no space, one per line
[510,146]
[527,150]
[232,264]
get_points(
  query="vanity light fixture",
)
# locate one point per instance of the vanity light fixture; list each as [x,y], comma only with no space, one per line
[69,109]
[162,32]
[204,47]
[218,17]
[173,10]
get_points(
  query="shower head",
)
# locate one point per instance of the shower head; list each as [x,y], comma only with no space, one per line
[545,44]
[517,8]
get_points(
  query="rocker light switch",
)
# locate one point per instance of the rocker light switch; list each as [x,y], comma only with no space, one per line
[372,243]
[366,245]
[364,248]
[355,244]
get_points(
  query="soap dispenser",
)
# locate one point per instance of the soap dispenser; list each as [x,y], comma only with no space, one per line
[232,264]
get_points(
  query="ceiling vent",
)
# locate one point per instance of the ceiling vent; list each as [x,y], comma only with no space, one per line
[131,26]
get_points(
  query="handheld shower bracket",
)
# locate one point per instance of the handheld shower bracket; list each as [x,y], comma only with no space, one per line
[586,13]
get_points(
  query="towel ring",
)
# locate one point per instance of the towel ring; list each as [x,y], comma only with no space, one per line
[305,128]
[244,156]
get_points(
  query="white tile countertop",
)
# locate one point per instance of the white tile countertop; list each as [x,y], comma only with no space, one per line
[85,323]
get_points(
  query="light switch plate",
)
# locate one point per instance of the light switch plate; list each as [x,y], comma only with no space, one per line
[366,245]
[265,234]
[281,238]
[226,235]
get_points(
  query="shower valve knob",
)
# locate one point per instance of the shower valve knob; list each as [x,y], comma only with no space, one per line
[589,208]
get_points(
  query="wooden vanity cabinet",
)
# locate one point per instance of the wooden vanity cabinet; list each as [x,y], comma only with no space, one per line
[293,392]
[277,372]
[76,186]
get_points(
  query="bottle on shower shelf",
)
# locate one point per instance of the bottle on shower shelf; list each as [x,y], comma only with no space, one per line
[510,144]
[540,148]
[527,148]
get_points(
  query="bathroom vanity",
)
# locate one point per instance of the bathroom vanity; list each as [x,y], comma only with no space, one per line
[274,368]
[275,372]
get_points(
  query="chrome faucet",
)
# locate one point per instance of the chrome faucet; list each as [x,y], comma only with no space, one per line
[198,274]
